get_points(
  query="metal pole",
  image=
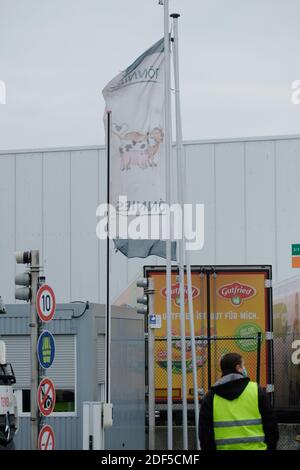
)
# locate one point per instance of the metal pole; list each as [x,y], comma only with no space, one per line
[108,307]
[179,152]
[168,145]
[183,349]
[270,343]
[202,330]
[215,333]
[193,346]
[258,357]
[34,413]
[151,376]
[208,330]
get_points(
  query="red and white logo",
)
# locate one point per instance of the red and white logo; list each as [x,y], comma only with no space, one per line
[236,292]
[175,293]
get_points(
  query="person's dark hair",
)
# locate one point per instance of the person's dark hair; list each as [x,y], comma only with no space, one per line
[229,362]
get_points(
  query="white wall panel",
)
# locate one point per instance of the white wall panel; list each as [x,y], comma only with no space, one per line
[287,199]
[84,244]
[200,189]
[173,182]
[135,266]
[57,204]
[7,221]
[118,280]
[102,197]
[29,204]
[118,262]
[260,203]
[230,203]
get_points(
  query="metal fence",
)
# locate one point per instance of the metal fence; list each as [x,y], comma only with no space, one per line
[289,436]
[284,373]
[287,372]
[286,350]
[209,351]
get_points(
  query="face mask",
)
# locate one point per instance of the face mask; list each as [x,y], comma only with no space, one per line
[244,372]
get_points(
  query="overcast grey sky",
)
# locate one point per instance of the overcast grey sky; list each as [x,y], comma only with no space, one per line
[238,60]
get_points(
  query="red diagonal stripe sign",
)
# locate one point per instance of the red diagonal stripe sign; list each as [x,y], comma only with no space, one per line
[46,397]
[46,438]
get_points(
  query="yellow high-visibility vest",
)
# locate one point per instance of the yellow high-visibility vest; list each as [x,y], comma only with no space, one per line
[237,423]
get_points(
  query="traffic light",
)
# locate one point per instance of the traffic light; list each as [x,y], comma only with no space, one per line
[23,257]
[23,279]
[143,301]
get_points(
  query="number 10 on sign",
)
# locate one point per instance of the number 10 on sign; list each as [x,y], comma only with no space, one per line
[45,303]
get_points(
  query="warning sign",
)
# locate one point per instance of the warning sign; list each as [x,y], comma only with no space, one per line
[46,438]
[46,397]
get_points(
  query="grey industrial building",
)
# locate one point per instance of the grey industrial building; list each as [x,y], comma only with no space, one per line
[48,201]
[249,187]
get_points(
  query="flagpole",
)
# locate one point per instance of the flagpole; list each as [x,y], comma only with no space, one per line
[193,347]
[181,241]
[108,306]
[168,145]
[181,191]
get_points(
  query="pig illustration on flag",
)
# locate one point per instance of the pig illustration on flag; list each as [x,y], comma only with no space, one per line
[137,148]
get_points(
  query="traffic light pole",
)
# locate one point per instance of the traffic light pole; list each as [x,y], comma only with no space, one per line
[147,308]
[34,413]
[151,380]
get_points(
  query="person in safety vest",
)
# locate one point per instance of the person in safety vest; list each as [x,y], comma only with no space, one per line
[236,414]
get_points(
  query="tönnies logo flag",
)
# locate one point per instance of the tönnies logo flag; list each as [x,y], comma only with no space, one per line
[135,98]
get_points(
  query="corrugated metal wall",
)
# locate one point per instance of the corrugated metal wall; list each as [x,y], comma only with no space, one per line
[48,201]
[62,370]
[68,430]
[127,378]
[68,434]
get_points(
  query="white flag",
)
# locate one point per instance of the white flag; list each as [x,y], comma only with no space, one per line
[135,98]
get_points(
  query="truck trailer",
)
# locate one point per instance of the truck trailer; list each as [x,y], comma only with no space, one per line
[232,313]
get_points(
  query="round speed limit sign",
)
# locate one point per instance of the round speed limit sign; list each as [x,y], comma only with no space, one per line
[45,303]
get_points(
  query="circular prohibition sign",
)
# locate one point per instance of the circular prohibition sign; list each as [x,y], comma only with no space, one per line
[46,396]
[45,303]
[46,439]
